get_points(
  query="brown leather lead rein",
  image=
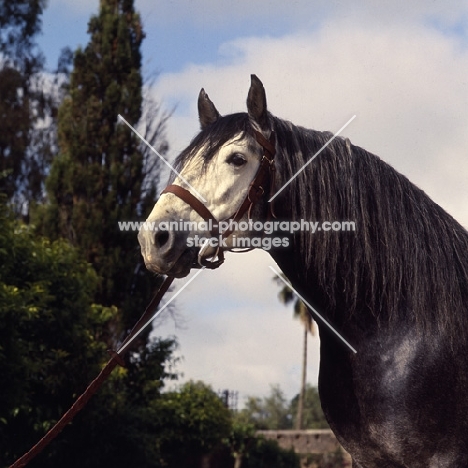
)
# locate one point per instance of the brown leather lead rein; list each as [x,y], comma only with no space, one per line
[92,388]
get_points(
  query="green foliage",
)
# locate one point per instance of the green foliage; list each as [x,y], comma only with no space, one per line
[121,424]
[312,417]
[266,454]
[240,437]
[270,412]
[49,331]
[51,347]
[194,423]
[250,451]
[274,412]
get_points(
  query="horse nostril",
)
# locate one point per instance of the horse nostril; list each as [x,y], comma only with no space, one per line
[161,238]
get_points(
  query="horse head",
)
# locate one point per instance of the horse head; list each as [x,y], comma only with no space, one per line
[222,177]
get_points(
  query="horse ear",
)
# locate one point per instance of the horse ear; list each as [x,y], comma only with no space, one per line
[257,104]
[207,112]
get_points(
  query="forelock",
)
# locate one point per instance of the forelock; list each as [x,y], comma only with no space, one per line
[210,140]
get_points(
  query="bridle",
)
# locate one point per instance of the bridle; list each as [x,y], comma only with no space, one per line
[265,173]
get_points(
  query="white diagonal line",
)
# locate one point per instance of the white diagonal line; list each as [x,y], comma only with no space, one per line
[160,310]
[311,159]
[203,248]
[314,310]
[163,160]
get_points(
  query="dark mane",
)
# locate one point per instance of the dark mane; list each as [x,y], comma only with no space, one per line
[407,255]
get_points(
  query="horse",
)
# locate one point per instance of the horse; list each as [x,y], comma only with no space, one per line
[396,287]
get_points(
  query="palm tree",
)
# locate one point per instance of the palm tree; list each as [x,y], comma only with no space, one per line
[286,296]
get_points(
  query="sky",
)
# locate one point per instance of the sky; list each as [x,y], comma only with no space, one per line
[401,67]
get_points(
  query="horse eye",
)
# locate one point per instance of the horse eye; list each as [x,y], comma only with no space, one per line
[237,160]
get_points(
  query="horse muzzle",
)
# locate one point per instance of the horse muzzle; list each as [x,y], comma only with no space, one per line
[167,252]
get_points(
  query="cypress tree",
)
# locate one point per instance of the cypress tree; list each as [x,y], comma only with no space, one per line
[97,178]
